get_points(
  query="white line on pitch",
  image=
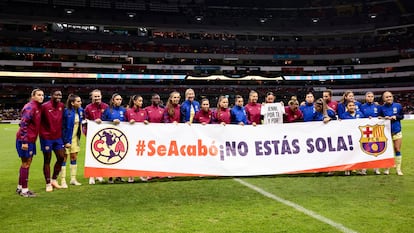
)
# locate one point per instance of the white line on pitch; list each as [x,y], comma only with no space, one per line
[297,207]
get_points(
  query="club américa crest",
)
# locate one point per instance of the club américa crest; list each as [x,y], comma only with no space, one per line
[373,140]
[109,146]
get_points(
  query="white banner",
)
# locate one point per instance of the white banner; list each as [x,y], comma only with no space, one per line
[272,113]
[234,150]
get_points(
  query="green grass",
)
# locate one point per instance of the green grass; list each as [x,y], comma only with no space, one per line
[361,203]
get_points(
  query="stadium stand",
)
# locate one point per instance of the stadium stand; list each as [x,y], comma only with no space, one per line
[277,40]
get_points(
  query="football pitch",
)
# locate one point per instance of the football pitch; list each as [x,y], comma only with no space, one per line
[284,203]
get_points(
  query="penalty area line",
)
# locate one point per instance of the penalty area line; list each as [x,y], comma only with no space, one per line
[299,208]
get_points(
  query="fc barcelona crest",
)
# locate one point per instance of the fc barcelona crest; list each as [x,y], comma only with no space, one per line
[373,140]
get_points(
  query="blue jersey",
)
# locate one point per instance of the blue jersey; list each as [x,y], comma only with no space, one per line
[238,114]
[357,115]
[185,109]
[342,108]
[113,113]
[394,109]
[308,111]
[319,116]
[370,109]
[331,113]
[69,123]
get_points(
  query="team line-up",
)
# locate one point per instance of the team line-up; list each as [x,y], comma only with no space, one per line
[60,126]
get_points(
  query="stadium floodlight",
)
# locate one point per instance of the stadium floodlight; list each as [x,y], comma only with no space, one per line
[142,31]
[263,20]
[199,18]
[69,11]
[131,15]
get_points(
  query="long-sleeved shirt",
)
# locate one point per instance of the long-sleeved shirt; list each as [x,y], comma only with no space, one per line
[155,113]
[203,117]
[394,109]
[332,105]
[69,116]
[117,112]
[94,111]
[171,119]
[370,109]
[342,108]
[185,110]
[29,122]
[292,116]
[319,116]
[308,111]
[223,115]
[51,120]
[253,113]
[238,114]
[136,114]
[347,115]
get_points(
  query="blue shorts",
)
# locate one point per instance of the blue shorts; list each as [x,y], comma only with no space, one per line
[25,153]
[49,145]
